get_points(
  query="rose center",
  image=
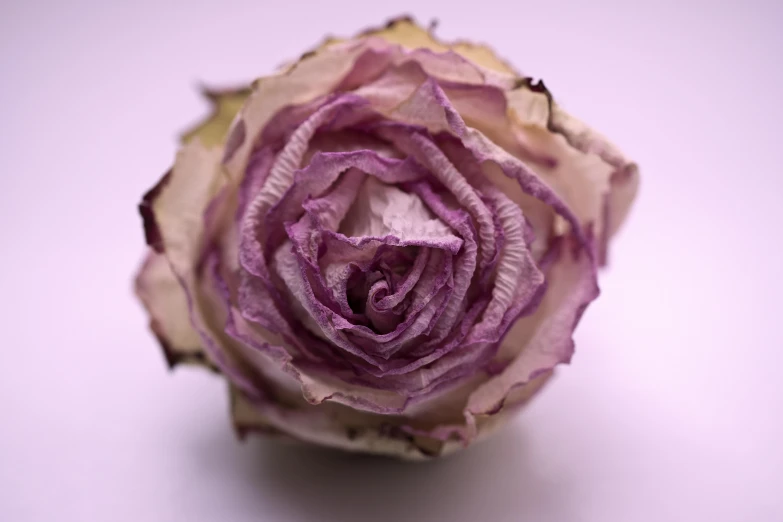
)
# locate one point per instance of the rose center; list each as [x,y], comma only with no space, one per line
[380,293]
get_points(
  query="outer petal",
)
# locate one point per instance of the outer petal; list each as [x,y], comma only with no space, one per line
[180,204]
[166,304]
[337,426]
[180,211]
[545,338]
[625,176]
[406,32]
[323,425]
[225,105]
[587,171]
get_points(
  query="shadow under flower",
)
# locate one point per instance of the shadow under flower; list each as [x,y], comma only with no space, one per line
[494,481]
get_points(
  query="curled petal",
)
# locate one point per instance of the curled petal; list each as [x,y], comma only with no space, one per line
[536,344]
[588,172]
[310,79]
[280,180]
[623,180]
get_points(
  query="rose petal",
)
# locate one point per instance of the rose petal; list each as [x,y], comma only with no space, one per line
[224,104]
[606,185]
[329,426]
[323,170]
[624,178]
[278,182]
[294,273]
[180,206]
[384,210]
[406,32]
[545,338]
[180,211]
[166,303]
[310,79]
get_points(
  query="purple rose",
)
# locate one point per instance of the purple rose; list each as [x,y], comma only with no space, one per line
[385,246]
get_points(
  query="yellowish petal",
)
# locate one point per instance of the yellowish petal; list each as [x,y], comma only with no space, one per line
[225,105]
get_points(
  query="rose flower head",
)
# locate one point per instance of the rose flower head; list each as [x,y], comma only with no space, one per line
[384,246]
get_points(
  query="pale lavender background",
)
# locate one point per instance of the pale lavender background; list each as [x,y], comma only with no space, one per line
[671,410]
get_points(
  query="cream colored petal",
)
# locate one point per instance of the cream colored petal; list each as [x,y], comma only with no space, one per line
[407,33]
[484,56]
[326,43]
[585,169]
[166,304]
[625,175]
[337,426]
[581,180]
[179,210]
[195,180]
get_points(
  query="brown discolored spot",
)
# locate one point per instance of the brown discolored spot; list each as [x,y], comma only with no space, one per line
[398,20]
[151,231]
[538,86]
[388,25]
[174,357]
[424,445]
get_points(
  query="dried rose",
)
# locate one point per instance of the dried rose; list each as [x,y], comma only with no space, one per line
[383,247]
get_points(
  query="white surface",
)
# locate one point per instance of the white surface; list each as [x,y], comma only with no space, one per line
[670,411]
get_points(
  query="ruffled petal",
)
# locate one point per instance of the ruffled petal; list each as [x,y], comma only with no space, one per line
[589,173]
[545,338]
[623,180]
[535,344]
[328,425]
[311,78]
[406,32]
